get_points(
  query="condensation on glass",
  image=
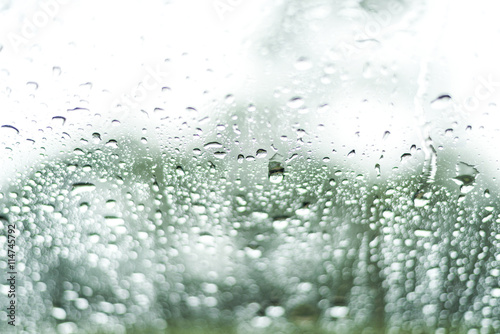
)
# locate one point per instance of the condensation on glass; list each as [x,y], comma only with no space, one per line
[250,167]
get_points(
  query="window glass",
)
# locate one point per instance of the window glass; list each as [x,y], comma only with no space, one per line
[230,166]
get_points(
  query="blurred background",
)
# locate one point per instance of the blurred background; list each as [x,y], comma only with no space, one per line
[234,166]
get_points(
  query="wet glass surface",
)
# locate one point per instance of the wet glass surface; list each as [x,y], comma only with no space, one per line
[250,167]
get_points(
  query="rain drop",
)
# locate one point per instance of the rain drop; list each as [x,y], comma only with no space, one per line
[421,199]
[59,119]
[11,128]
[113,221]
[56,71]
[112,143]
[213,145]
[441,101]
[295,103]
[96,137]
[261,153]
[179,171]
[220,154]
[303,64]
[32,85]
[276,169]
[79,188]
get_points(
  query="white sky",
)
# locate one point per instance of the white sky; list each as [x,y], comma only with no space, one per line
[111,43]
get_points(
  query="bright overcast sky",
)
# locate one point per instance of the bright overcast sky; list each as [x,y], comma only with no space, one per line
[112,44]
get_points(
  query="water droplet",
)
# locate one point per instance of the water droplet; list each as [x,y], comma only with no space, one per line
[32,85]
[213,145]
[466,177]
[179,171]
[220,154]
[96,137]
[441,102]
[423,233]
[78,151]
[339,311]
[94,238]
[405,157]
[377,169]
[281,222]
[241,158]
[253,253]
[10,127]
[56,71]
[301,133]
[304,211]
[79,188]
[295,103]
[59,313]
[207,238]
[303,64]
[261,153]
[260,322]
[113,221]
[351,154]
[260,215]
[323,108]
[367,71]
[47,208]
[59,119]
[110,204]
[112,143]
[388,214]
[199,209]
[276,169]
[421,199]
[84,207]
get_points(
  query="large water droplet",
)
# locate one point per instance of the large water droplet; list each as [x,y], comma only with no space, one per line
[261,153]
[466,177]
[96,137]
[276,169]
[10,128]
[79,188]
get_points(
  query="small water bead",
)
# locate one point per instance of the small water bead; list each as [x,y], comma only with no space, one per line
[303,64]
[295,103]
